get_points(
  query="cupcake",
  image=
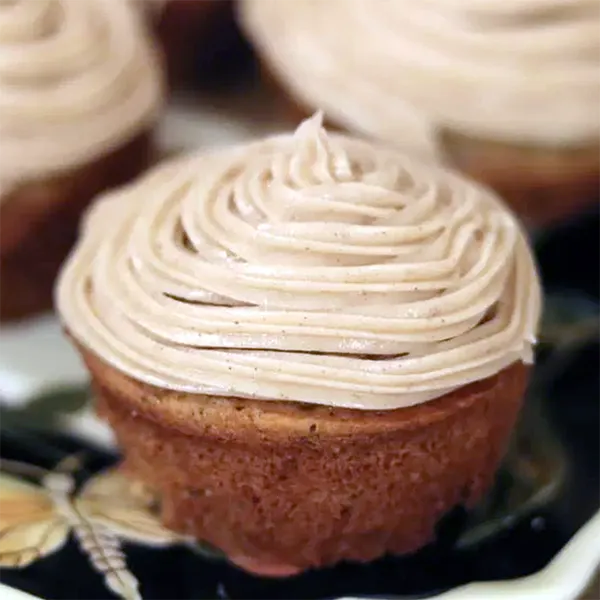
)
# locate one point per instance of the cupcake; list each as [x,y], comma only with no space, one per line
[80,90]
[507,92]
[312,346]
[199,37]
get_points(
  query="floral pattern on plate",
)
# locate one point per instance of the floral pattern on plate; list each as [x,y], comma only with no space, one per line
[37,518]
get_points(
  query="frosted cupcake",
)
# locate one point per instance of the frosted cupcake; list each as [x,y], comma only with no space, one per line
[508,92]
[80,90]
[311,345]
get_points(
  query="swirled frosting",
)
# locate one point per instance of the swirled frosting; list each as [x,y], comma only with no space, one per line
[306,267]
[77,77]
[516,71]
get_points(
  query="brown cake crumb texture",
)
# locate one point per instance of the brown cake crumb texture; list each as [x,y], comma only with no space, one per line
[39,223]
[307,485]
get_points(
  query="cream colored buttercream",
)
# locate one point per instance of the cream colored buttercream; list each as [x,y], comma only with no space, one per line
[307,267]
[77,78]
[518,71]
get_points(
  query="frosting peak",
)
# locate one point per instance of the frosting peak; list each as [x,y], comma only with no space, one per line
[77,77]
[306,267]
[314,146]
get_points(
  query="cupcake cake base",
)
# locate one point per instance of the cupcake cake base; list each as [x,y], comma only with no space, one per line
[281,487]
[39,223]
[542,185]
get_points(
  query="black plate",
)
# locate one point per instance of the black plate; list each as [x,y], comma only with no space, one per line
[546,490]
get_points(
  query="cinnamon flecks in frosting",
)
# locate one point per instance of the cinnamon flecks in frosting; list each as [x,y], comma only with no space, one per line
[77,78]
[517,71]
[308,267]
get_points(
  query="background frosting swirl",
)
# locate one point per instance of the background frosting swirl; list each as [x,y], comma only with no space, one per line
[514,71]
[76,79]
[304,267]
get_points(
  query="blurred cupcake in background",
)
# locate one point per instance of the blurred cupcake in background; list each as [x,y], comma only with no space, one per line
[315,56]
[508,92]
[80,92]
[199,38]
[522,88]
